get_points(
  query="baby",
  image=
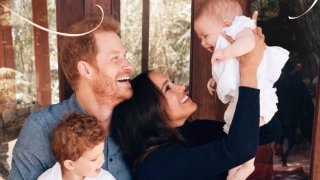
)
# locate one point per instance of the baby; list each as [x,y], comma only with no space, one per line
[77,144]
[214,22]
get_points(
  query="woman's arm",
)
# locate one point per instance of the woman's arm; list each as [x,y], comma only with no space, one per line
[204,131]
[199,132]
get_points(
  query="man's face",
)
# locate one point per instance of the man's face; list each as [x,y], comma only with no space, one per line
[112,73]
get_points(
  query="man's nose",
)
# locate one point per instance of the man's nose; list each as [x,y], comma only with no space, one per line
[127,64]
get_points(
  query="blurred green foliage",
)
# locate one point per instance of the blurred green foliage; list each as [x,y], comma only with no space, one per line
[169,36]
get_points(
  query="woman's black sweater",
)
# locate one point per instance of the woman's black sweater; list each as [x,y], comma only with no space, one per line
[208,156]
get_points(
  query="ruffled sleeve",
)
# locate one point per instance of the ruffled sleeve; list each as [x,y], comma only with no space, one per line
[238,24]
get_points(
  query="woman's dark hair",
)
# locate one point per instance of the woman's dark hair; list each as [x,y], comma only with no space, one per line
[140,124]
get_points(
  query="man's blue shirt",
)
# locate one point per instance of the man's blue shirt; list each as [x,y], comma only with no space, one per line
[32,153]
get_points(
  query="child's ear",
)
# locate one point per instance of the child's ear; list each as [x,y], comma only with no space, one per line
[226,23]
[68,164]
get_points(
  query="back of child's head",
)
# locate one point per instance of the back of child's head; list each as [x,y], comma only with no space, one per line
[219,9]
[75,134]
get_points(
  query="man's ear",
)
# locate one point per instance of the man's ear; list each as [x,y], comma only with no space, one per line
[226,23]
[84,69]
[68,164]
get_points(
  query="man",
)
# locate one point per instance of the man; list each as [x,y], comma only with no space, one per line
[98,71]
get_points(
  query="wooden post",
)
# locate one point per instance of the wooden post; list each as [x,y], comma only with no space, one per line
[209,107]
[2,52]
[68,13]
[315,156]
[110,7]
[145,35]
[6,48]
[244,6]
[41,51]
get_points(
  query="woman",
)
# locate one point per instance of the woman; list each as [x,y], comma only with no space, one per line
[151,129]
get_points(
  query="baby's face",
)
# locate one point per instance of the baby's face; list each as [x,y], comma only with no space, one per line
[90,163]
[208,31]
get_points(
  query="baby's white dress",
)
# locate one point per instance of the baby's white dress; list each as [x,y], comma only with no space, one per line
[227,76]
[55,173]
